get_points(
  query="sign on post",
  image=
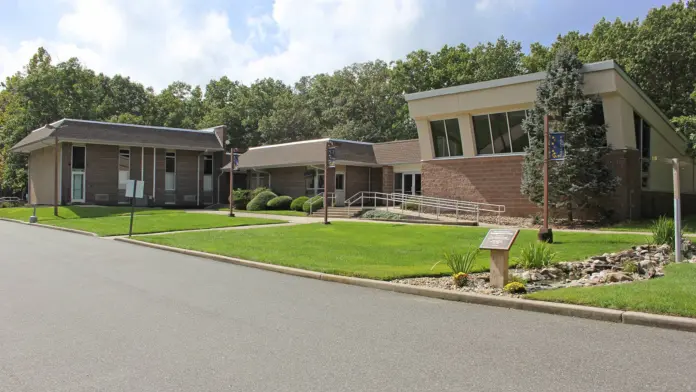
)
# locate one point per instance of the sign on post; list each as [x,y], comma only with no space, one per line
[499,242]
[556,146]
[332,156]
[135,189]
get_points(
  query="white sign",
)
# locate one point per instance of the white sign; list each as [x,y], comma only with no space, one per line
[135,188]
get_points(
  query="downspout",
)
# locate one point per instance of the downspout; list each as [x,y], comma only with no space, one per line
[198,179]
[369,179]
[154,173]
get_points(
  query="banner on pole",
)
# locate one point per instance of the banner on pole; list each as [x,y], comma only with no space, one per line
[556,146]
[332,156]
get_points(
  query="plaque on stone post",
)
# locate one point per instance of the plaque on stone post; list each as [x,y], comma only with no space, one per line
[499,242]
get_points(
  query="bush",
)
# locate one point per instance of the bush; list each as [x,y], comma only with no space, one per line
[663,231]
[297,204]
[515,288]
[241,198]
[316,202]
[459,262]
[515,278]
[536,255]
[260,201]
[258,191]
[460,279]
[377,214]
[279,203]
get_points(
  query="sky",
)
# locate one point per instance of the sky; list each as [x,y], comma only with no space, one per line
[156,42]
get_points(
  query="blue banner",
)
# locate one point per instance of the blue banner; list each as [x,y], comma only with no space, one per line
[236,159]
[556,146]
[332,156]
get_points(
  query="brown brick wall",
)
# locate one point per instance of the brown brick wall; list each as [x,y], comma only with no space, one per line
[159,176]
[288,181]
[376,179]
[101,173]
[485,180]
[388,179]
[655,204]
[186,177]
[357,180]
[66,173]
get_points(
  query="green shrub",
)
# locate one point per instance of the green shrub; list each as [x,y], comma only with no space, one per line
[663,231]
[316,202]
[260,201]
[630,267]
[377,214]
[536,255]
[297,204]
[460,279]
[515,288]
[410,206]
[242,197]
[279,203]
[258,191]
[459,262]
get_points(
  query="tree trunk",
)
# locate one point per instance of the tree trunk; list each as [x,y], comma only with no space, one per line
[569,207]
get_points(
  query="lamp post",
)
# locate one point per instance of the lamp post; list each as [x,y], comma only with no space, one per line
[545,233]
[233,155]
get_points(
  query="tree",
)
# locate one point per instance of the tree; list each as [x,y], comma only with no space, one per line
[582,178]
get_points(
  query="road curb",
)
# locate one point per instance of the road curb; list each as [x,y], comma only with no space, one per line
[586,312]
[74,231]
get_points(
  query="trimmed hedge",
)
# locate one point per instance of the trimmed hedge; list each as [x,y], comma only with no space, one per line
[279,203]
[260,201]
[297,204]
[317,202]
[257,192]
[242,197]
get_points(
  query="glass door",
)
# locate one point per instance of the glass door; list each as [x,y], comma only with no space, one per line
[77,186]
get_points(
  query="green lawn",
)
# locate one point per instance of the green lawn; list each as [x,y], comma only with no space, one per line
[76,212]
[674,294]
[270,212]
[379,251]
[688,223]
[156,223]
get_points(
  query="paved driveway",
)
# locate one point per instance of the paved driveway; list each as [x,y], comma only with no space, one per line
[88,314]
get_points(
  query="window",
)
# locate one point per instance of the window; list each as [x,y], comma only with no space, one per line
[500,133]
[340,177]
[447,141]
[123,167]
[170,171]
[208,173]
[642,133]
[398,182]
[78,158]
[314,181]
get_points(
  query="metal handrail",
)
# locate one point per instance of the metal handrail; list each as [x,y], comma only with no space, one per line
[331,196]
[436,203]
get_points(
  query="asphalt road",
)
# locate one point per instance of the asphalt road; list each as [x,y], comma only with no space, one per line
[87,314]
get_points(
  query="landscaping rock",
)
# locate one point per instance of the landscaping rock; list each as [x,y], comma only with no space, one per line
[617,277]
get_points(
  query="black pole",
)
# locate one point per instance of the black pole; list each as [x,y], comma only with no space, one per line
[130,229]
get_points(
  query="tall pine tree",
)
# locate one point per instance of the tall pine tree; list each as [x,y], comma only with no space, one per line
[582,179]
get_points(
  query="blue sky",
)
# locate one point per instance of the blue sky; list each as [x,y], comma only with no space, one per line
[159,41]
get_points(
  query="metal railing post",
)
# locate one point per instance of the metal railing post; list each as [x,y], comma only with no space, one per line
[477,214]
[456,219]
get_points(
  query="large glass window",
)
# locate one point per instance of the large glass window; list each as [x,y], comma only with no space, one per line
[314,181]
[123,167]
[447,140]
[398,182]
[500,133]
[170,171]
[642,133]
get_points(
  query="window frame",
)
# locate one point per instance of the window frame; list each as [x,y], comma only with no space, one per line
[447,138]
[490,132]
[122,184]
[169,155]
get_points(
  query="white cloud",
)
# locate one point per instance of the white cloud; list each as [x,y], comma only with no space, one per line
[159,41]
[485,5]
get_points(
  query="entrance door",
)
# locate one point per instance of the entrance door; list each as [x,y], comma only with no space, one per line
[77,186]
[411,183]
[340,189]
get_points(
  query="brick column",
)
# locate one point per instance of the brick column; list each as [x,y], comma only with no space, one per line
[388,179]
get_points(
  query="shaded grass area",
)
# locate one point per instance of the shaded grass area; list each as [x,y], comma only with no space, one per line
[377,251]
[673,294]
[76,212]
[269,212]
[156,223]
[688,225]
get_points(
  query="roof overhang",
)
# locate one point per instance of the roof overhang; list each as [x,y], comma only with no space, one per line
[50,141]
